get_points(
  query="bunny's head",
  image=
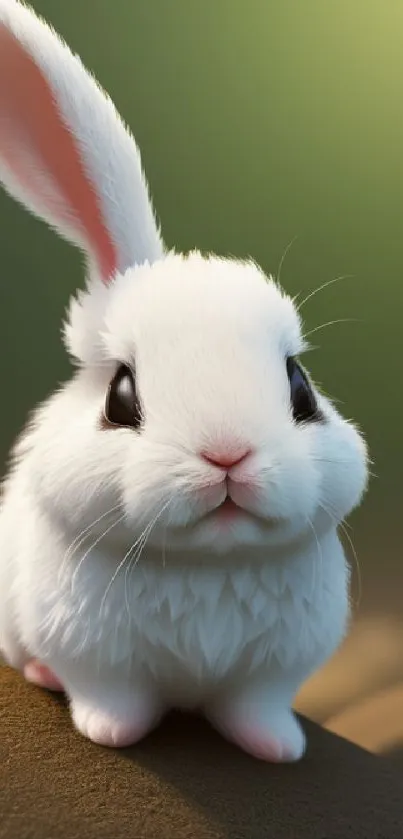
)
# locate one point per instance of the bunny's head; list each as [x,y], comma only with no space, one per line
[190,409]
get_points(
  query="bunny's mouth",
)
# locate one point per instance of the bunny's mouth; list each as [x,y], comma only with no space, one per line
[229,512]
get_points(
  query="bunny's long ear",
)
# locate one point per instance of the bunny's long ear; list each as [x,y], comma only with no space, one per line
[64,151]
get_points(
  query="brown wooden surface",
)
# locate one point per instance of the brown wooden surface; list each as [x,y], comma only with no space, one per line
[182,781]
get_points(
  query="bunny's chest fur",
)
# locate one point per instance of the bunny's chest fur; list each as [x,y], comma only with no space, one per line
[198,625]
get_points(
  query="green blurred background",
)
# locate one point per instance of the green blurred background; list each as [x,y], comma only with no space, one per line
[258,122]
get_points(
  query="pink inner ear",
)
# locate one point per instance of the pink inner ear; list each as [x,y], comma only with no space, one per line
[41,152]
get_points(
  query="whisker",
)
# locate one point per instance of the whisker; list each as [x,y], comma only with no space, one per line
[141,540]
[319,554]
[80,538]
[135,559]
[342,525]
[46,619]
[330,323]
[356,562]
[286,251]
[91,548]
[112,580]
[322,287]
[330,511]
[337,460]
[342,463]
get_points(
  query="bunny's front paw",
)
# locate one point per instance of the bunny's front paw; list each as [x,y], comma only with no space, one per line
[270,734]
[278,739]
[116,728]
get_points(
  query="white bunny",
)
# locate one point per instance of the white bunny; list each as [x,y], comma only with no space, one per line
[168,532]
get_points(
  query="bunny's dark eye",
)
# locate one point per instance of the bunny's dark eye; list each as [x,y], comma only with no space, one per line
[304,405]
[122,406]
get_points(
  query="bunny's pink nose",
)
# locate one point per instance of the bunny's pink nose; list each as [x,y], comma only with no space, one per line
[225,458]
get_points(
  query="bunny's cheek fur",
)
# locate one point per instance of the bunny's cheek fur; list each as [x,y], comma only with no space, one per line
[81,472]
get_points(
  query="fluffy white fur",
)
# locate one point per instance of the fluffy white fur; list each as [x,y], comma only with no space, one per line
[114,570]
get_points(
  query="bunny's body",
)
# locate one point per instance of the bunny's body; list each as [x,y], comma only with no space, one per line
[184,633]
[168,534]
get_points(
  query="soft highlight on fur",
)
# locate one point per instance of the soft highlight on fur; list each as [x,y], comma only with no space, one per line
[119,578]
